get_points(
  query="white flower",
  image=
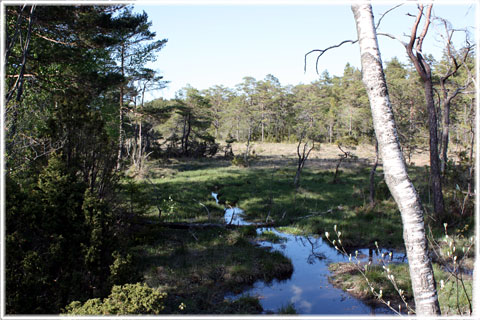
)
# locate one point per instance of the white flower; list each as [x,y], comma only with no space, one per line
[327,234]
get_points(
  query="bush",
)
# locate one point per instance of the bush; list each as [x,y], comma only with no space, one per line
[239,161]
[127,299]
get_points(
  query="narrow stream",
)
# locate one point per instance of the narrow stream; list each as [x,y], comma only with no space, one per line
[308,289]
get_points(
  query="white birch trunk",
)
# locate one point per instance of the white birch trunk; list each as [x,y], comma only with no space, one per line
[402,189]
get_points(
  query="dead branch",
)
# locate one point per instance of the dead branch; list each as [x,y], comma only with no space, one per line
[425,29]
[72,44]
[385,13]
[18,86]
[187,226]
[322,51]
[208,211]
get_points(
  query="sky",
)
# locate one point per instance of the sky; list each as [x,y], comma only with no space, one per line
[211,44]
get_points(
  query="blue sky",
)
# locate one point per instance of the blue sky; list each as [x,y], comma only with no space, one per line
[220,44]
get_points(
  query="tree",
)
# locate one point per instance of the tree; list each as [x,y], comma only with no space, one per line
[424,70]
[145,80]
[62,226]
[405,92]
[136,48]
[187,131]
[402,189]
[451,68]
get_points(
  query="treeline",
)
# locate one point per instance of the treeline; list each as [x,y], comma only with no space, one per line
[68,72]
[328,110]
[76,118]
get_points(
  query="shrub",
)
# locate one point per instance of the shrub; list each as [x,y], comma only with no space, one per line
[127,299]
[239,161]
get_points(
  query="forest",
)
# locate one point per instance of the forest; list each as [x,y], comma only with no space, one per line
[115,205]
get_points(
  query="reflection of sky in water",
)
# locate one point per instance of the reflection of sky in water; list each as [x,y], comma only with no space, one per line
[308,289]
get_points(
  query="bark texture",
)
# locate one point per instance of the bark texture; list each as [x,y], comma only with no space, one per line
[402,189]
[425,72]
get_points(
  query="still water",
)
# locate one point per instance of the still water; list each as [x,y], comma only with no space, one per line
[308,289]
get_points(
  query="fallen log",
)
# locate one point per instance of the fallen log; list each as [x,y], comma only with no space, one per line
[186,225]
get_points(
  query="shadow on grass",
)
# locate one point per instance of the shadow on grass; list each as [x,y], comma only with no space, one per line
[198,268]
[268,193]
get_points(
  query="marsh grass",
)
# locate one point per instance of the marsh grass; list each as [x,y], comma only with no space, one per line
[270,236]
[199,267]
[347,277]
[268,194]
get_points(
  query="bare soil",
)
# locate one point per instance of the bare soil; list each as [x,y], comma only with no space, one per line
[324,157]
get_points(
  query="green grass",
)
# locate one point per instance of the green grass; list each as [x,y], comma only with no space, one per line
[287,309]
[347,277]
[198,267]
[270,236]
[189,263]
[267,192]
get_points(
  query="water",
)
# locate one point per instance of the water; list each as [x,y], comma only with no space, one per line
[308,289]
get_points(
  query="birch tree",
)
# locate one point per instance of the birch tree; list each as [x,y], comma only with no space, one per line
[402,189]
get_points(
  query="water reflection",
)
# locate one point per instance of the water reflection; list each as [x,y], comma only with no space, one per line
[308,289]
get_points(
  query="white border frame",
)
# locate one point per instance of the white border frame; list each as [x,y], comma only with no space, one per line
[4,3]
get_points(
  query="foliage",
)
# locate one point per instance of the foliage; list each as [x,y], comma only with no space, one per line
[288,309]
[123,300]
[61,237]
[64,216]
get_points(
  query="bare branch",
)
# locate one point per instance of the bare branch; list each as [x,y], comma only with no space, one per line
[413,34]
[11,41]
[383,15]
[392,37]
[425,28]
[19,82]
[322,51]
[55,41]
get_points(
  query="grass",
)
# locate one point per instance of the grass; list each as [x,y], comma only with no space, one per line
[313,208]
[347,277]
[287,309]
[199,267]
[270,236]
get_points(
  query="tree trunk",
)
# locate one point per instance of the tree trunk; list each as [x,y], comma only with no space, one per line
[372,177]
[247,151]
[187,134]
[402,189]
[445,135]
[425,72]
[120,124]
[435,173]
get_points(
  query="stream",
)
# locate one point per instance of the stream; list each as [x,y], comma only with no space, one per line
[308,289]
